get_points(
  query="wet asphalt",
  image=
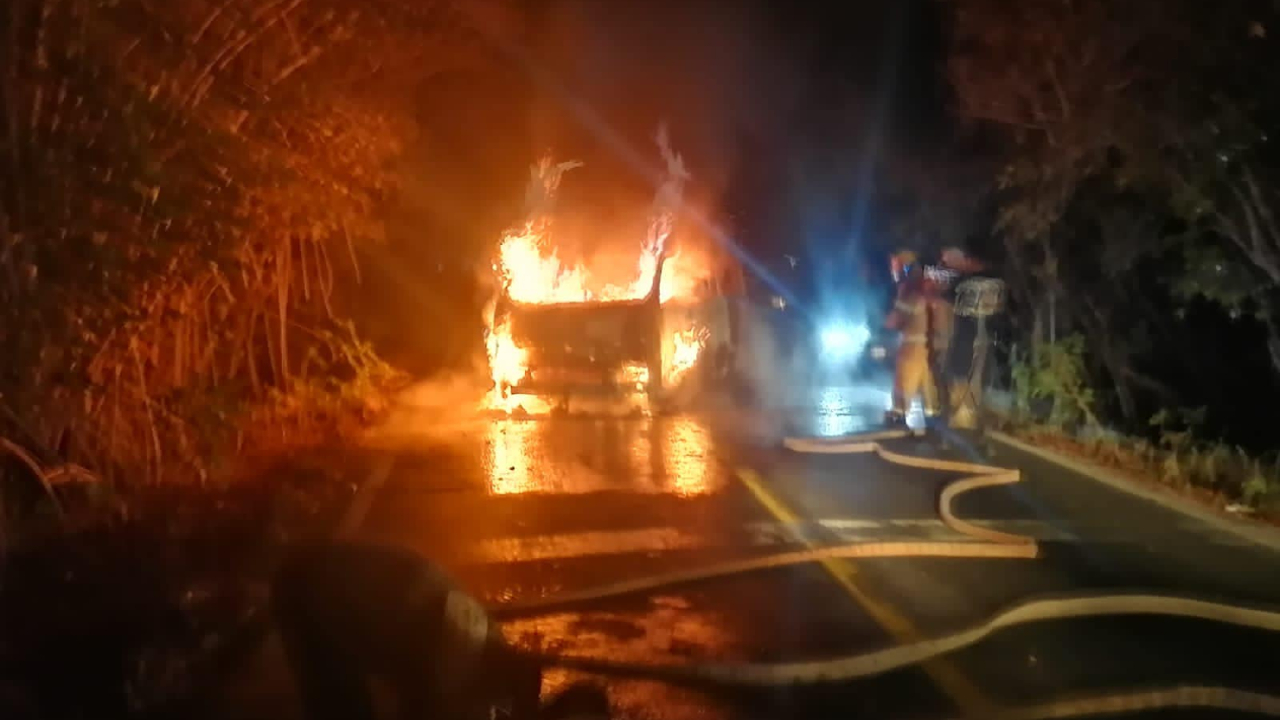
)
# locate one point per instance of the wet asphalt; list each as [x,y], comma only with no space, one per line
[524,507]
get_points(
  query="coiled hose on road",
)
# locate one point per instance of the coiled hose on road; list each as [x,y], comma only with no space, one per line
[996,545]
[1181,697]
[877,662]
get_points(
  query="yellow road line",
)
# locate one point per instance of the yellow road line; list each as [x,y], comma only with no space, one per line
[958,688]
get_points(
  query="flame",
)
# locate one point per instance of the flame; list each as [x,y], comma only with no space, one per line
[636,374]
[533,273]
[686,446]
[508,364]
[671,456]
[686,347]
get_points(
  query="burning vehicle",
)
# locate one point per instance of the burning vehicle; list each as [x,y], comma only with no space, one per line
[556,329]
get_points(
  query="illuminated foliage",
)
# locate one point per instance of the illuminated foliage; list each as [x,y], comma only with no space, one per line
[1054,372]
[187,185]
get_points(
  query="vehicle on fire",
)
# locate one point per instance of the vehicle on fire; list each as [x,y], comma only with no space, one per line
[646,345]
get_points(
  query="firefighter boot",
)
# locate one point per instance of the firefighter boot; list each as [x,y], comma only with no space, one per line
[895,420]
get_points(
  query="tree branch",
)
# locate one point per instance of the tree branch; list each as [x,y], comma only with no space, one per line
[1262,207]
[988,115]
[25,458]
[209,20]
[1256,248]
[294,66]
[1058,90]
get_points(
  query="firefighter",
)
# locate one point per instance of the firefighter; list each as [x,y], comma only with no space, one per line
[910,317]
[977,298]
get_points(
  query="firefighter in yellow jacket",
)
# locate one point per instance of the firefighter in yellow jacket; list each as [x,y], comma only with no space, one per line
[911,317]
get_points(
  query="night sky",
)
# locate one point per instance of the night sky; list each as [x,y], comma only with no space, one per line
[773,104]
[787,114]
[777,106]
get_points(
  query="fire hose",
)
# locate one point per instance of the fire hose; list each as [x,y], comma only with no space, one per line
[1179,697]
[996,545]
[1000,545]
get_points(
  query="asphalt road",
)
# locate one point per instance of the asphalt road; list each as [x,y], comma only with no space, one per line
[519,508]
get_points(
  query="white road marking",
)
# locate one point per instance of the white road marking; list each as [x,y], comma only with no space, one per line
[565,546]
[854,524]
[571,545]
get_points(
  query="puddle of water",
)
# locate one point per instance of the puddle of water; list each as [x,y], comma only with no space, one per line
[672,630]
[668,455]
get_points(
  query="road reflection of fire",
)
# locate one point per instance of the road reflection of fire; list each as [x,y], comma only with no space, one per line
[667,455]
[686,448]
[669,630]
[510,461]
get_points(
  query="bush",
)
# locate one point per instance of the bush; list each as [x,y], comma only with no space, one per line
[1055,372]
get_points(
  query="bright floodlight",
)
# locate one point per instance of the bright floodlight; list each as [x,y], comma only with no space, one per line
[844,339]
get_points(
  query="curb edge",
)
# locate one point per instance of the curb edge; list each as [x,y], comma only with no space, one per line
[1256,533]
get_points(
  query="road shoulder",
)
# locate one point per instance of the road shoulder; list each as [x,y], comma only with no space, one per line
[1254,532]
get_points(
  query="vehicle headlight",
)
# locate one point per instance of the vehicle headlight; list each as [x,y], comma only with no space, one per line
[843,340]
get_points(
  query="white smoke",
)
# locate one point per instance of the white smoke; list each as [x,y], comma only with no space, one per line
[775,371]
[670,193]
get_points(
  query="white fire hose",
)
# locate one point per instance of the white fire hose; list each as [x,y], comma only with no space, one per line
[1180,697]
[997,545]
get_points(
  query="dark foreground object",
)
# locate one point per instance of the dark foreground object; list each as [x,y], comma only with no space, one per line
[350,615]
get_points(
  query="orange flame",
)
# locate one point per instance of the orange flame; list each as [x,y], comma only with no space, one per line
[530,271]
[686,347]
[508,364]
[534,273]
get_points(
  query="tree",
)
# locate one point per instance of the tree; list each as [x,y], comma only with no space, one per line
[1162,97]
[1134,147]
[1215,153]
[1056,78]
[192,176]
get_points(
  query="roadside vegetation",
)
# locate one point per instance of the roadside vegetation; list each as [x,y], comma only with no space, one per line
[1118,162]
[189,188]
[1052,406]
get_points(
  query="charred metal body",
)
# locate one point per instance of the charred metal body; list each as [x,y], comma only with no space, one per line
[618,347]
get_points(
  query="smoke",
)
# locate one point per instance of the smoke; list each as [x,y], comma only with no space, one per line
[622,67]
[456,396]
[440,407]
[775,371]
